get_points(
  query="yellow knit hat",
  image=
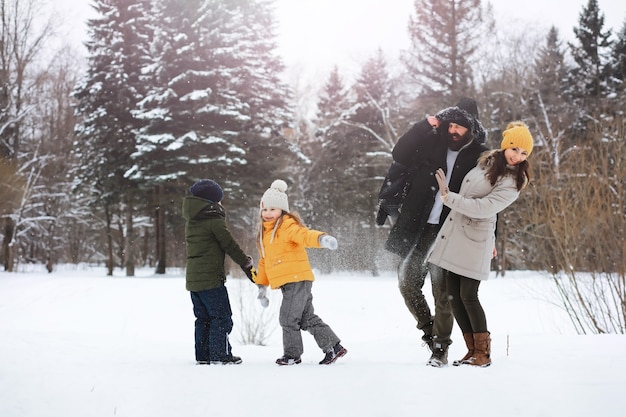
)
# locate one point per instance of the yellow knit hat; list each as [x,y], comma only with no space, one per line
[517,135]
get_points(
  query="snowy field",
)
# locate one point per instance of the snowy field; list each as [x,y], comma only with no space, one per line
[79,344]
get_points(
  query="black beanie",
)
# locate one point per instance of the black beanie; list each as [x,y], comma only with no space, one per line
[208,190]
[465,114]
[469,105]
[457,116]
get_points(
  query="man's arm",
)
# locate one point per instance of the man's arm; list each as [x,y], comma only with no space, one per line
[405,148]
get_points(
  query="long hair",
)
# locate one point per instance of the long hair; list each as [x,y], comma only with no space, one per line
[499,168]
[259,237]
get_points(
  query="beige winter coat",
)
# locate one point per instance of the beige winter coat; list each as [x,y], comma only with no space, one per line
[466,240]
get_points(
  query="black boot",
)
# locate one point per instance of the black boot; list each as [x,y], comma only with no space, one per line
[333,354]
[427,338]
[439,358]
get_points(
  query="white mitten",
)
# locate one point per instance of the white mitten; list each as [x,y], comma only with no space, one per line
[262,296]
[328,242]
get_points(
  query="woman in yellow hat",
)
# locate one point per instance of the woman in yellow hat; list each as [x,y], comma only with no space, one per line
[465,244]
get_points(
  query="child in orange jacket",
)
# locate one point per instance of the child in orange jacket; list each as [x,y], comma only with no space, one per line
[284,264]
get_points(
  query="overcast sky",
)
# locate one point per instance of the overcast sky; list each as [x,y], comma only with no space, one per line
[314,35]
[354,29]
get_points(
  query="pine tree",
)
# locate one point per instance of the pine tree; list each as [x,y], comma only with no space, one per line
[360,133]
[216,100]
[268,102]
[588,82]
[445,36]
[354,151]
[186,109]
[333,101]
[106,97]
[373,97]
[216,107]
[550,69]
[546,98]
[618,70]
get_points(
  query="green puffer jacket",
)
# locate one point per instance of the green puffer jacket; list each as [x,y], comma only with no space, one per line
[208,241]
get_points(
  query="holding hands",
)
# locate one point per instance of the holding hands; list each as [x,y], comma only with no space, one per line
[249,270]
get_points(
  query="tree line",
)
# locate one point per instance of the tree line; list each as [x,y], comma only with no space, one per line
[97,152]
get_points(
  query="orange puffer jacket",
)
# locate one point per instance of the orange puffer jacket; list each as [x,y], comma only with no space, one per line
[285,257]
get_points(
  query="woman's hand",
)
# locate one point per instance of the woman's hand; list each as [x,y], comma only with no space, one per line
[433,121]
[441,180]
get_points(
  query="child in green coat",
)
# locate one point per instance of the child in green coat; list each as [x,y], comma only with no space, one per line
[208,240]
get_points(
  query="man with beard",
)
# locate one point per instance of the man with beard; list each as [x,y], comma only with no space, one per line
[453,138]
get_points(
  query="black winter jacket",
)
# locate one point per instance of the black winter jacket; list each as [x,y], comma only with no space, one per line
[423,150]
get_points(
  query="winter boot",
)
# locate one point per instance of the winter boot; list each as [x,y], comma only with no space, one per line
[427,338]
[469,342]
[230,360]
[439,358]
[482,350]
[333,354]
[286,360]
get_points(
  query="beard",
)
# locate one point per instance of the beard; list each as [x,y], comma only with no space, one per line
[456,141]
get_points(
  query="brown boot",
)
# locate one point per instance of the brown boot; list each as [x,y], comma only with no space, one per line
[469,342]
[482,350]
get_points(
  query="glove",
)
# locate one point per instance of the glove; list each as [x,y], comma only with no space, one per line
[385,209]
[328,242]
[381,217]
[262,296]
[249,270]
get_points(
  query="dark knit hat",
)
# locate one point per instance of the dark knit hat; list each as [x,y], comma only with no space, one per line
[457,116]
[469,105]
[208,190]
[465,114]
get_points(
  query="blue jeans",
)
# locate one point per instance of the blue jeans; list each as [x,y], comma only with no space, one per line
[213,324]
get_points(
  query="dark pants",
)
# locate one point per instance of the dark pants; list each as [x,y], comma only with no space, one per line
[468,311]
[411,276]
[213,324]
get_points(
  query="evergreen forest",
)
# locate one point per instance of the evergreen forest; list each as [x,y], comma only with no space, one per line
[97,149]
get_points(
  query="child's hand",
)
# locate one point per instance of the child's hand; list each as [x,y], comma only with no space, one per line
[251,274]
[249,269]
[262,296]
[433,121]
[328,242]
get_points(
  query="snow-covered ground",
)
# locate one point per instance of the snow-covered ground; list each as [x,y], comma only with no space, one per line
[76,343]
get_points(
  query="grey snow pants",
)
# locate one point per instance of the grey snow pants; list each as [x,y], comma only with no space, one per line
[296,314]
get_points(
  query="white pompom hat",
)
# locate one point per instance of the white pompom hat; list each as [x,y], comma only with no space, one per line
[275,196]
